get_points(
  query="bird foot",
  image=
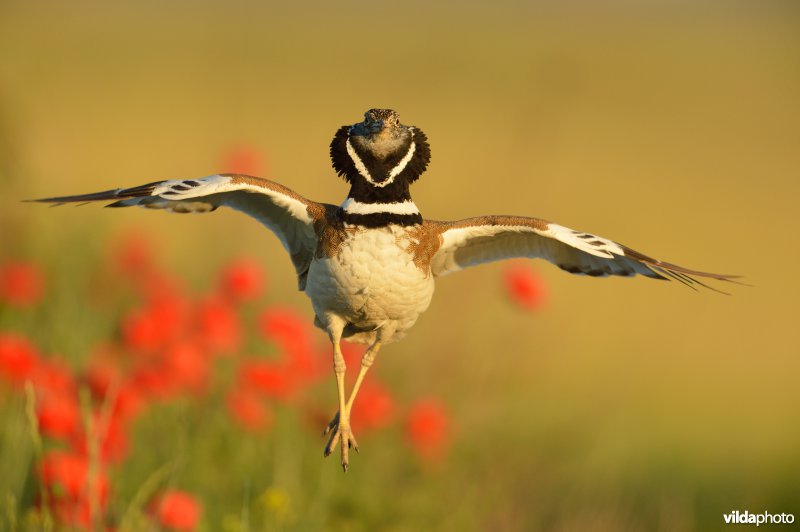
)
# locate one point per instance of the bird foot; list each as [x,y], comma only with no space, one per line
[340,434]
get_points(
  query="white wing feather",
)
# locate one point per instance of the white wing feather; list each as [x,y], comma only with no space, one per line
[470,242]
[290,216]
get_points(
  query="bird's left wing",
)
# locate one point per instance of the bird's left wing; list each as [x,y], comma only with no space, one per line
[453,246]
[287,214]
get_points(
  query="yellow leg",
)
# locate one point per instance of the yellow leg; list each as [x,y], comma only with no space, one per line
[366,362]
[341,431]
[340,424]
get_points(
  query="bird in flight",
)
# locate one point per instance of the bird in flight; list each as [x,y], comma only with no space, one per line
[369,265]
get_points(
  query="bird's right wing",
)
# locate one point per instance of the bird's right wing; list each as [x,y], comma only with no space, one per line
[293,218]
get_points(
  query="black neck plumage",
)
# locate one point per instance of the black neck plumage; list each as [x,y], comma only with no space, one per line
[392,173]
[379,219]
[394,192]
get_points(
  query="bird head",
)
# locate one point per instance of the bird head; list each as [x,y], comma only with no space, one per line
[380,152]
[381,122]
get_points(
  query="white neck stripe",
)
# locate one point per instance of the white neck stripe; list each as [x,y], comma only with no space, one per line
[360,165]
[362,168]
[405,160]
[351,206]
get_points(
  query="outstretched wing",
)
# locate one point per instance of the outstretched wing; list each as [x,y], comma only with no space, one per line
[290,216]
[475,241]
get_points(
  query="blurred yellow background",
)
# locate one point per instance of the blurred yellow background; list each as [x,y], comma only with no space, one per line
[670,126]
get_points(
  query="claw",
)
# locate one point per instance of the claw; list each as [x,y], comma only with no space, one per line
[332,443]
[332,425]
[340,436]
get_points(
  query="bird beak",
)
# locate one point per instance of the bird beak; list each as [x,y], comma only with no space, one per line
[376,126]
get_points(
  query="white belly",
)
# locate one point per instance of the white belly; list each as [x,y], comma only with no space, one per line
[371,283]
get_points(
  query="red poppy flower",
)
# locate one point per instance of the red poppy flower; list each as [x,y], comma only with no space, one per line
[66,474]
[112,436]
[130,401]
[52,376]
[249,409]
[188,365]
[114,446]
[59,415]
[291,331]
[155,324]
[18,358]
[242,280]
[140,330]
[282,324]
[374,407]
[427,428]
[178,510]
[525,287]
[268,378]
[243,159]
[108,381]
[302,359]
[21,283]
[102,374]
[153,381]
[72,513]
[218,325]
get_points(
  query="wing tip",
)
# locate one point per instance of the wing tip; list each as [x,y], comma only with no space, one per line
[105,195]
[688,277]
[684,275]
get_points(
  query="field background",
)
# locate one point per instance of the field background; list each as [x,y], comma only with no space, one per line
[673,128]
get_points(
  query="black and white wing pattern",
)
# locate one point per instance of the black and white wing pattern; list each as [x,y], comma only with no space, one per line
[453,246]
[290,216]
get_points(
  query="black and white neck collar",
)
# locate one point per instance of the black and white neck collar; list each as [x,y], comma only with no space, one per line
[353,206]
[380,158]
[377,214]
